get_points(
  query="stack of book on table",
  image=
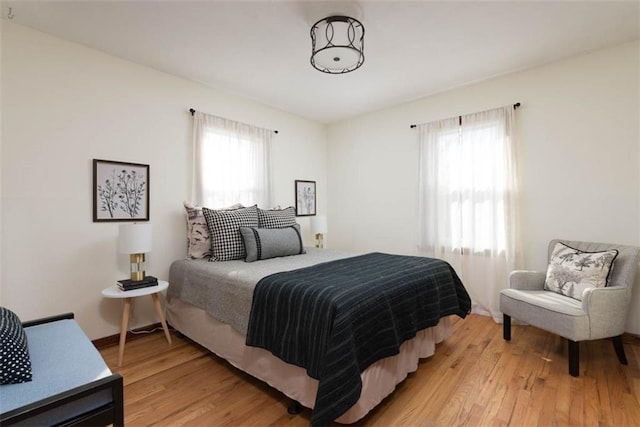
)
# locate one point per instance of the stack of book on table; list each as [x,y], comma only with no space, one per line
[129,285]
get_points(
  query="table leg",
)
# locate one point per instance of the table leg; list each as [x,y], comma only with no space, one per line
[123,330]
[156,301]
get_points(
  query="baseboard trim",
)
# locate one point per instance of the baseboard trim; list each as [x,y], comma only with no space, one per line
[113,340]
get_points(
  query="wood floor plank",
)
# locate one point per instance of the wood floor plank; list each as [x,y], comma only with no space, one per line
[474,379]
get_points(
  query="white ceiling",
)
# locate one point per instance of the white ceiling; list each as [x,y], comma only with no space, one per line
[260,49]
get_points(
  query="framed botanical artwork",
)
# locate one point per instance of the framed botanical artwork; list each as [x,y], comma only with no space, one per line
[120,191]
[305,198]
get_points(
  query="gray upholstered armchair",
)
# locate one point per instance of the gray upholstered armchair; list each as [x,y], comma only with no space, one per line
[602,313]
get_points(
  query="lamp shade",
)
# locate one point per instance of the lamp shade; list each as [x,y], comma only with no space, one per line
[134,238]
[318,224]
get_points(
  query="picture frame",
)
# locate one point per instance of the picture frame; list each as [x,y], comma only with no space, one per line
[120,191]
[305,198]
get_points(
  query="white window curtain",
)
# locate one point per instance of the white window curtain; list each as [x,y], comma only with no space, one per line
[231,162]
[468,201]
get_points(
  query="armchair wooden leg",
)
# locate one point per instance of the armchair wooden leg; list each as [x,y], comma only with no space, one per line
[617,345]
[506,327]
[574,358]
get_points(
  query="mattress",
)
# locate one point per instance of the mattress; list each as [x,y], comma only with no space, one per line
[225,289]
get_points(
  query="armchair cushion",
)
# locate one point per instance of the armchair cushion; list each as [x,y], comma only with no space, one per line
[572,271]
[550,311]
[550,301]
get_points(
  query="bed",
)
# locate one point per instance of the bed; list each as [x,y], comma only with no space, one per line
[211,303]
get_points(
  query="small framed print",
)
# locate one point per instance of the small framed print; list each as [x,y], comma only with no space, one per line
[305,198]
[120,191]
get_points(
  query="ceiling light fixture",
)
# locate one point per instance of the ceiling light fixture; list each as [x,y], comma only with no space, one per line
[337,44]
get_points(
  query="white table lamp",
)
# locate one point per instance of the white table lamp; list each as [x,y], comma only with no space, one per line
[135,240]
[319,228]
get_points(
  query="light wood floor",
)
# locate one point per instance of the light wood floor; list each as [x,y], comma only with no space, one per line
[474,379]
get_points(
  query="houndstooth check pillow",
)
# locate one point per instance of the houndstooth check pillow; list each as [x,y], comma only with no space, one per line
[277,218]
[224,229]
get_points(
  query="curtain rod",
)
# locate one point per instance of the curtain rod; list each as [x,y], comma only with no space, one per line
[515,107]
[192,111]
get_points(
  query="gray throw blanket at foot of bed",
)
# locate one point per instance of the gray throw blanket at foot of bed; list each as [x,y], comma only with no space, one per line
[337,318]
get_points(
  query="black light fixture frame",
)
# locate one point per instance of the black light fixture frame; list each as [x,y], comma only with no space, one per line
[354,25]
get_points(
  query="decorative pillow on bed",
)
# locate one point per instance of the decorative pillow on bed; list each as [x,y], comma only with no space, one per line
[199,243]
[14,354]
[277,218]
[572,271]
[265,243]
[224,229]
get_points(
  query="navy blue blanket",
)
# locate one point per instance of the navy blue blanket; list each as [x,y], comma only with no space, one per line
[337,318]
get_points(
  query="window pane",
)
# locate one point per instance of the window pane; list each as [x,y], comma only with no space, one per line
[472,170]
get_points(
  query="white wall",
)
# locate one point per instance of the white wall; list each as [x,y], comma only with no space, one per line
[579,157]
[63,105]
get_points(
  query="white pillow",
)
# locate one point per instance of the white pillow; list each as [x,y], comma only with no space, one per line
[572,271]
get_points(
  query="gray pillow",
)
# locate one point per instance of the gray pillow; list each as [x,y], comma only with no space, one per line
[265,243]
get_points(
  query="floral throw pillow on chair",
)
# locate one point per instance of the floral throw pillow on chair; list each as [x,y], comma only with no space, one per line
[572,271]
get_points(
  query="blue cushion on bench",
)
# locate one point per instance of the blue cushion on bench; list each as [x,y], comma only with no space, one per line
[62,358]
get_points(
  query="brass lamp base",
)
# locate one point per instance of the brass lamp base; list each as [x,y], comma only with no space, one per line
[137,266]
[319,240]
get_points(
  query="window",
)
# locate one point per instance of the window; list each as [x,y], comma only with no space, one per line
[468,191]
[231,162]
[477,187]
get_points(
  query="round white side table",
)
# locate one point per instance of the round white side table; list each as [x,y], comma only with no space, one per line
[115,292]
